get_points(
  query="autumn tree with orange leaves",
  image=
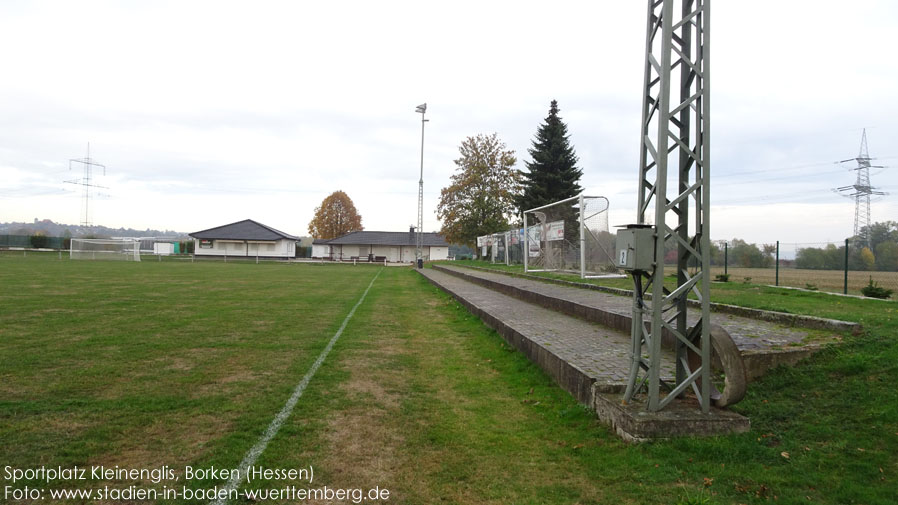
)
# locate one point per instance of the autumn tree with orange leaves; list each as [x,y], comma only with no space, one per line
[481,197]
[335,217]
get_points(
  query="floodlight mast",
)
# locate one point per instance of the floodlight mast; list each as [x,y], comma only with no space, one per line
[419,237]
[674,132]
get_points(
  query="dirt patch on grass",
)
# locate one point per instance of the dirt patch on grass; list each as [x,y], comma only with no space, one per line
[225,384]
[167,441]
[180,364]
[364,441]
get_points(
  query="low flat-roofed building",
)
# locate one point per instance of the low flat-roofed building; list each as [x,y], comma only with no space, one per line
[392,246]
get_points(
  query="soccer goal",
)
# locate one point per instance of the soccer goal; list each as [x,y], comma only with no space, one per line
[570,236]
[104,249]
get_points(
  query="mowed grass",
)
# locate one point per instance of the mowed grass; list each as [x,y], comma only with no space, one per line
[150,364]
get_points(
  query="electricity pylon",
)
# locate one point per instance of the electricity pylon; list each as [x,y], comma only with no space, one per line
[861,191]
[675,135]
[86,184]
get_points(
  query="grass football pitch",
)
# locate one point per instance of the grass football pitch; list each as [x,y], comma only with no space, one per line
[168,365]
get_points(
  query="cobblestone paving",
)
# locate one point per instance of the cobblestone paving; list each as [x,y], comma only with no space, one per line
[598,352]
[747,333]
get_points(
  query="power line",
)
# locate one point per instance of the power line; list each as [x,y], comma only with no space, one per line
[783,178]
[766,170]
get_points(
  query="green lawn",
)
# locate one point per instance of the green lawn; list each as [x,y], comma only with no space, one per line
[149,364]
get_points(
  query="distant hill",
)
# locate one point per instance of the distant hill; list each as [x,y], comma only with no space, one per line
[49,228]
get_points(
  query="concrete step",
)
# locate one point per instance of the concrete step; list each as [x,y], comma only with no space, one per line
[589,360]
[764,344]
[581,356]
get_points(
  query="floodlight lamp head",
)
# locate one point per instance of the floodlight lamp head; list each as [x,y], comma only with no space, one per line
[421,108]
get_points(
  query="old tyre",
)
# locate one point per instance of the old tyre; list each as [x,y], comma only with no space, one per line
[727,355]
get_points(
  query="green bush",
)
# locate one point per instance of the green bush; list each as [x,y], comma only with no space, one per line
[39,241]
[722,278]
[874,290]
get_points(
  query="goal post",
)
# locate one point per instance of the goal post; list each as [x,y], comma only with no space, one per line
[104,249]
[572,236]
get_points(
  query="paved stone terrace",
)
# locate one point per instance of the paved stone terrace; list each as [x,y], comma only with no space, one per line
[583,357]
[749,334]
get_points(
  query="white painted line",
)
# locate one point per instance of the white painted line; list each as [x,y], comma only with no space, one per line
[253,454]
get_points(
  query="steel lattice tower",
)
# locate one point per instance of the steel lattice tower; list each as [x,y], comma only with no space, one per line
[86,184]
[675,137]
[861,191]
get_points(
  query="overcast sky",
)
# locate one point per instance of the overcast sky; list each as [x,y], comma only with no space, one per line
[205,113]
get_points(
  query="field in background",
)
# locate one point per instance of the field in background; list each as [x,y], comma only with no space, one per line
[172,363]
[825,280]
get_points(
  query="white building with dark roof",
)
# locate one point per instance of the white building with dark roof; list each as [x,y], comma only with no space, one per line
[391,246]
[245,238]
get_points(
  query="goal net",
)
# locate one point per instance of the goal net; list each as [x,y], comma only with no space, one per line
[570,236]
[104,249]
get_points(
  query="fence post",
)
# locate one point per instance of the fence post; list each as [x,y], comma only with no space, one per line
[582,240]
[726,252]
[526,246]
[777,262]
[845,285]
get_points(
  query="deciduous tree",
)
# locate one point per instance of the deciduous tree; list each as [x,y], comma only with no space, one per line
[867,259]
[483,191]
[335,217]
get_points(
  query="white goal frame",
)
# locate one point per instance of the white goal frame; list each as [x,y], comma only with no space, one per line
[104,249]
[532,233]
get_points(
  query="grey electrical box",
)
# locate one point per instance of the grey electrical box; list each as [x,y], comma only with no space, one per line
[636,248]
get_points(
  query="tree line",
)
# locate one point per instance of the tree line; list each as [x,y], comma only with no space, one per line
[874,248]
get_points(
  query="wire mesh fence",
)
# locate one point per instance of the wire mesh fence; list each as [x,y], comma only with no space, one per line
[848,267]
[838,267]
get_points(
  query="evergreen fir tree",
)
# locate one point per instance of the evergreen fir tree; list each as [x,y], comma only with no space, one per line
[552,174]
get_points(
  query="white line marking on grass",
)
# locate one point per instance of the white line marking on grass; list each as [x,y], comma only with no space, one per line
[257,450]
